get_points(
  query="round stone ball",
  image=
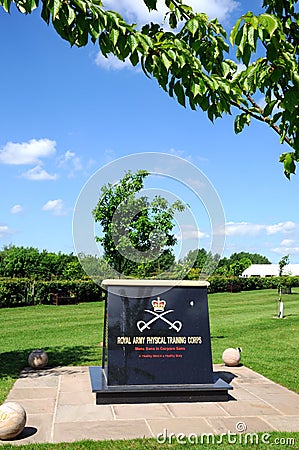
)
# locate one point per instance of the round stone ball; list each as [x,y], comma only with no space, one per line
[12,420]
[38,359]
[231,357]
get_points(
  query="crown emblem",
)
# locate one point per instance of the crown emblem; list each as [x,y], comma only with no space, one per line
[159,304]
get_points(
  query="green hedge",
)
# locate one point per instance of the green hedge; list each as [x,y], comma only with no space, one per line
[81,291]
[15,292]
[23,292]
[219,283]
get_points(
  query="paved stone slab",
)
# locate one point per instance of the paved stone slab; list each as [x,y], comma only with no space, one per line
[73,386]
[284,423]
[241,393]
[203,409]
[177,425]
[38,405]
[146,411]
[269,388]
[61,407]
[286,404]
[239,424]
[39,382]
[255,407]
[83,413]
[101,430]
[32,393]
[76,398]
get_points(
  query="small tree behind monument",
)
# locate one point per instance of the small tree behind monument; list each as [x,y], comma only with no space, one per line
[137,234]
[284,261]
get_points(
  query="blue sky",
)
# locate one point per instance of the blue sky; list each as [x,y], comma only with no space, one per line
[66,113]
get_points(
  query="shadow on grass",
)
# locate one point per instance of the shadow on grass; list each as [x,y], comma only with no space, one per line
[11,363]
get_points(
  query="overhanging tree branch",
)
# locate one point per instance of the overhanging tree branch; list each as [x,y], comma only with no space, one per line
[190,63]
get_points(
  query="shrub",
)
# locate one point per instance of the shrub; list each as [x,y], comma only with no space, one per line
[22,292]
[81,290]
[15,292]
[221,283]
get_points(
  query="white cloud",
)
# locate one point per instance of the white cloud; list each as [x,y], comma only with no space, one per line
[38,174]
[247,228]
[70,159]
[56,207]
[180,154]
[286,250]
[214,8]
[242,228]
[27,152]
[190,232]
[112,62]
[135,10]
[5,231]
[281,227]
[287,242]
[16,209]
[286,247]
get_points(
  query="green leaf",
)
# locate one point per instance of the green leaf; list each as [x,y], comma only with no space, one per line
[6,5]
[105,44]
[133,42]
[71,16]
[289,164]
[235,31]
[276,117]
[143,67]
[172,54]
[243,40]
[114,35]
[291,99]
[192,25]
[276,74]
[173,22]
[246,55]
[171,85]
[179,91]
[254,22]
[198,87]
[167,63]
[252,38]
[151,4]
[134,59]
[45,14]
[269,23]
[56,7]
[240,121]
[145,41]
[203,103]
[269,108]
[81,4]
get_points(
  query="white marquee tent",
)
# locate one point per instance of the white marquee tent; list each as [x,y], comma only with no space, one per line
[268,270]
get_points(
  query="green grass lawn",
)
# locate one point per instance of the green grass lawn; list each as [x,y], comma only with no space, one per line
[71,335]
[270,345]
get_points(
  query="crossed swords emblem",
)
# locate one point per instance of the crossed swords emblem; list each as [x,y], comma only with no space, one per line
[142,325]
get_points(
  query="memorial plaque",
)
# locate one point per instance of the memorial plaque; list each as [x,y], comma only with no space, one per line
[159,338]
[156,344]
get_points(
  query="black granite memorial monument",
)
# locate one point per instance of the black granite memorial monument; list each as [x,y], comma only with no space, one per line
[157,344]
